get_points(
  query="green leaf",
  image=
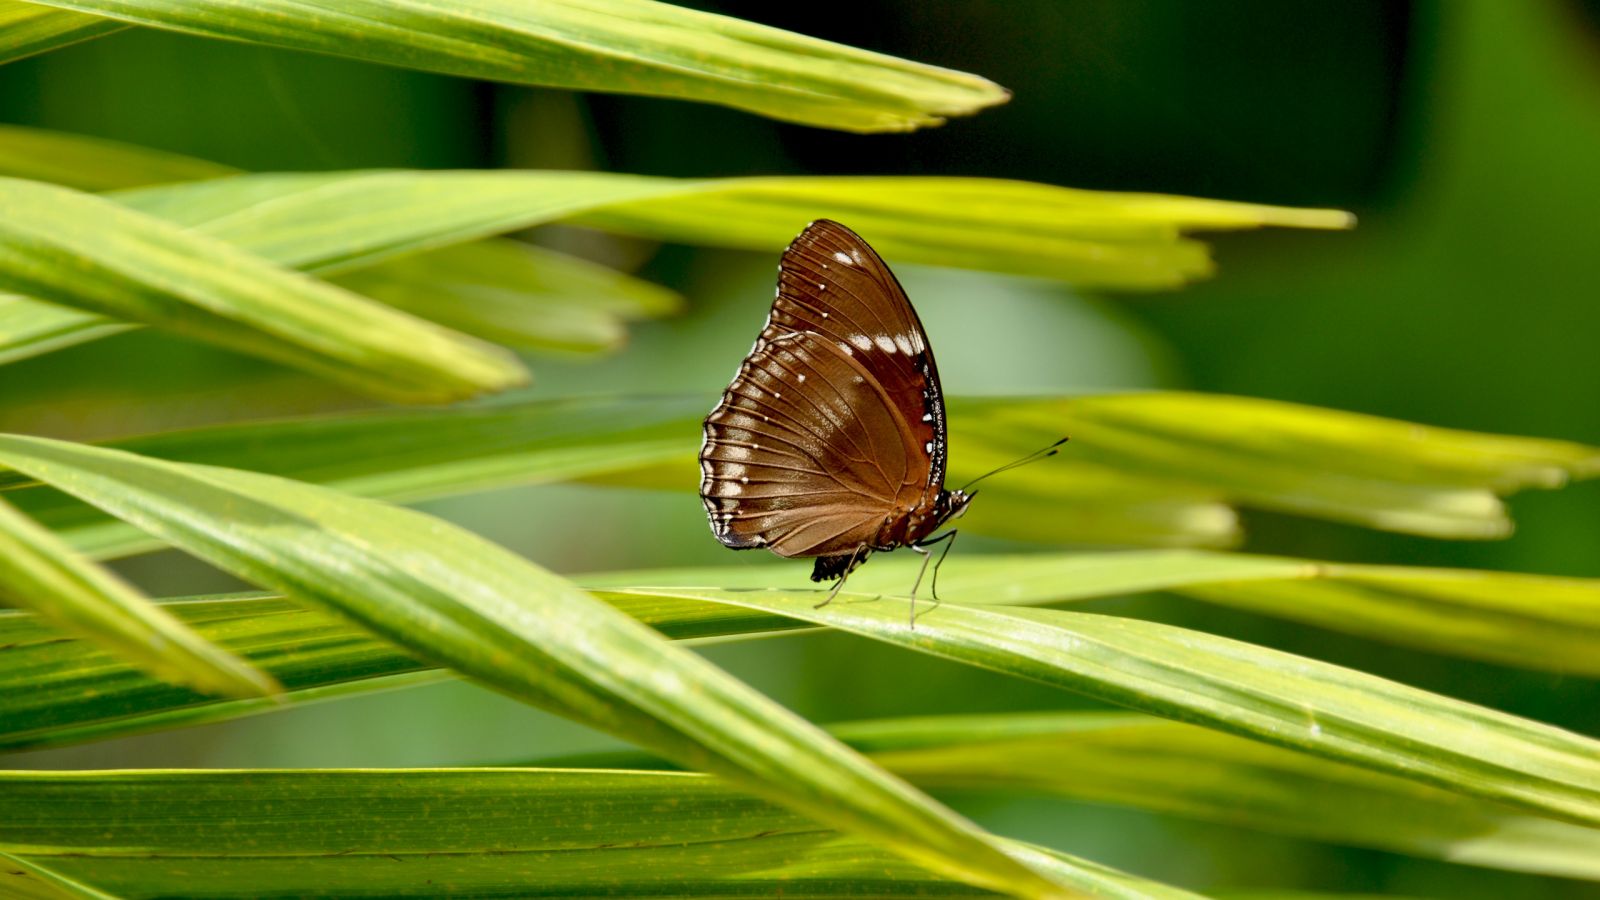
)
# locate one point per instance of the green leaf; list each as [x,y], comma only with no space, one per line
[54,691]
[31,327]
[39,572]
[1104,488]
[90,163]
[460,601]
[1169,767]
[24,880]
[1279,698]
[29,28]
[516,294]
[617,46]
[333,223]
[80,250]
[342,220]
[465,833]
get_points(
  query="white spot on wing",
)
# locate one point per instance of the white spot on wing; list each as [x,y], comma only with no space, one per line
[885,343]
[904,345]
[927,447]
[843,257]
[802,376]
[861,341]
[927,417]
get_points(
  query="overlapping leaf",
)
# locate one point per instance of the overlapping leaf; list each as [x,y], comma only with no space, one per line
[1127,759]
[460,601]
[1114,484]
[339,222]
[62,245]
[30,28]
[39,572]
[88,163]
[618,46]
[465,833]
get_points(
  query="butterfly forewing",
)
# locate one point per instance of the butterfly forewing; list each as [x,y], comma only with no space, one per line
[833,284]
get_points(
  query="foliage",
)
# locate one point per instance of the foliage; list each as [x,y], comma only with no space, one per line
[410,286]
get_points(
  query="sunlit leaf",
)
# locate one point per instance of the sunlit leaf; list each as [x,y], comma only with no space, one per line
[516,294]
[1104,488]
[1274,697]
[90,163]
[39,572]
[1340,714]
[341,220]
[463,833]
[80,250]
[29,28]
[617,46]
[1127,759]
[458,600]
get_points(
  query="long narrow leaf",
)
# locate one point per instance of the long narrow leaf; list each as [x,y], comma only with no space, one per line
[1133,760]
[620,46]
[334,223]
[458,600]
[1337,713]
[90,163]
[61,245]
[54,691]
[1129,495]
[463,833]
[30,28]
[343,220]
[516,294]
[21,879]
[39,572]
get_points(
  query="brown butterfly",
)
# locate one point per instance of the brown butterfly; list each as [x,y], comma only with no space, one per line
[830,442]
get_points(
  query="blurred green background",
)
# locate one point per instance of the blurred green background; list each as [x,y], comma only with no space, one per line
[1465,134]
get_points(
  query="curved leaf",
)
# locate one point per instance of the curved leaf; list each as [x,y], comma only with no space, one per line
[464,832]
[54,691]
[458,600]
[24,880]
[77,249]
[29,28]
[1101,490]
[618,46]
[342,220]
[90,163]
[39,572]
[1279,698]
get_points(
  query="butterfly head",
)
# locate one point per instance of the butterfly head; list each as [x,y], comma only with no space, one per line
[951,505]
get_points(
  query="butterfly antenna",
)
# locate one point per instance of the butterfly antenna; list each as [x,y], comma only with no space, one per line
[1035,456]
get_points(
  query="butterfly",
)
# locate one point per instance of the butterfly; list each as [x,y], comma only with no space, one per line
[830,442]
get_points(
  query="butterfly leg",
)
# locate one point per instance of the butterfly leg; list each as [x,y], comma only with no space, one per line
[849,567]
[949,540]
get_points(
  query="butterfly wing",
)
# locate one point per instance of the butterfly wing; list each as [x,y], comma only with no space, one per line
[806,454]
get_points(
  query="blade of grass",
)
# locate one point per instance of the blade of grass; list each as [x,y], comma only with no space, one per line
[90,163]
[29,28]
[516,294]
[21,879]
[74,695]
[1094,492]
[616,46]
[80,250]
[1290,701]
[332,223]
[342,220]
[458,600]
[39,572]
[464,832]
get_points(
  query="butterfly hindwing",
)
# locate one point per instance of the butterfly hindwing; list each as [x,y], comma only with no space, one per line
[806,454]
